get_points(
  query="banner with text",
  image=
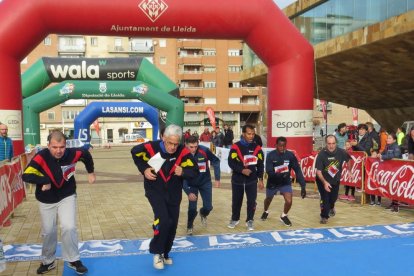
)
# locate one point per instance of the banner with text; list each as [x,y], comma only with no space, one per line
[393,179]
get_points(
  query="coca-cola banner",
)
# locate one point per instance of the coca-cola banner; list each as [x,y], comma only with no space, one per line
[14,173]
[354,176]
[308,167]
[6,196]
[393,179]
[351,177]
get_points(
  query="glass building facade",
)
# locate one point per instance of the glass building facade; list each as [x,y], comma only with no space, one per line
[334,18]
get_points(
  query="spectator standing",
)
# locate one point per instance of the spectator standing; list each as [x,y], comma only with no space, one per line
[205,136]
[341,135]
[246,161]
[392,151]
[400,135]
[373,135]
[410,144]
[364,142]
[228,136]
[52,170]
[6,144]
[195,134]
[187,134]
[383,139]
[220,137]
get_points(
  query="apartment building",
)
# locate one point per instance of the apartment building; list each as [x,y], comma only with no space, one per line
[207,73]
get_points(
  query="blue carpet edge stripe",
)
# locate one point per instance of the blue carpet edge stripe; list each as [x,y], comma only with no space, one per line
[124,247]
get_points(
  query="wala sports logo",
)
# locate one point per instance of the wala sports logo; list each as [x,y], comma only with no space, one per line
[153,8]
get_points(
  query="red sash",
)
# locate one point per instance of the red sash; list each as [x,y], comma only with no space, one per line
[42,163]
[241,157]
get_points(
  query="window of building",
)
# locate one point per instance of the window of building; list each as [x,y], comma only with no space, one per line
[47,41]
[70,114]
[235,68]
[118,44]
[234,84]
[51,116]
[210,101]
[163,60]
[234,100]
[235,52]
[210,84]
[184,84]
[209,68]
[94,41]
[163,43]
[209,52]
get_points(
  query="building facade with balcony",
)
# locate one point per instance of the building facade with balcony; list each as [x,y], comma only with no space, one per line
[207,73]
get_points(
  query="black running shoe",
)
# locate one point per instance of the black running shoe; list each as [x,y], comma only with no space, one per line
[264,216]
[286,220]
[46,268]
[332,212]
[78,267]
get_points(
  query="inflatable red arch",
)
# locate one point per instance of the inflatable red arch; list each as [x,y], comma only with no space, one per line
[260,23]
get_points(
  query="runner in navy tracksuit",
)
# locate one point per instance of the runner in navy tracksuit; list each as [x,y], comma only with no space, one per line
[246,161]
[164,188]
[202,183]
[279,163]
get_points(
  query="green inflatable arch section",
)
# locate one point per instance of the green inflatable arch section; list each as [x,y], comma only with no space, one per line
[47,70]
[121,90]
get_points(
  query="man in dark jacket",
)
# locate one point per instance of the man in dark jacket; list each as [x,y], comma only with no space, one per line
[164,164]
[52,170]
[201,184]
[228,136]
[279,164]
[246,161]
[364,142]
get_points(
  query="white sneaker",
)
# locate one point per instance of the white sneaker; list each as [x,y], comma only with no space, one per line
[249,225]
[167,260]
[158,261]
[233,223]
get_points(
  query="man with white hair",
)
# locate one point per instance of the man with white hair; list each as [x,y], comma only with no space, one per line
[163,185]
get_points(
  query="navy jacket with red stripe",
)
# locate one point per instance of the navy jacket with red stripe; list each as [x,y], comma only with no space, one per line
[167,185]
[45,169]
[237,153]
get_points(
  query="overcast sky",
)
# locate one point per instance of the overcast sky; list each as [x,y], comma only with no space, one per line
[283,3]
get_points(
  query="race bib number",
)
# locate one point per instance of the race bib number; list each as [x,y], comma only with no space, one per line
[282,169]
[250,160]
[68,171]
[333,170]
[202,166]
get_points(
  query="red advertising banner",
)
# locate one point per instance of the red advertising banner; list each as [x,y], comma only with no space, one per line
[6,196]
[14,172]
[354,176]
[308,167]
[393,179]
[351,177]
[211,116]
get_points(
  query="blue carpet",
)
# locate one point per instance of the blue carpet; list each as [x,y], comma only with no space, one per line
[385,256]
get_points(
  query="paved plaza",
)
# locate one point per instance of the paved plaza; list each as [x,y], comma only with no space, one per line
[115,208]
